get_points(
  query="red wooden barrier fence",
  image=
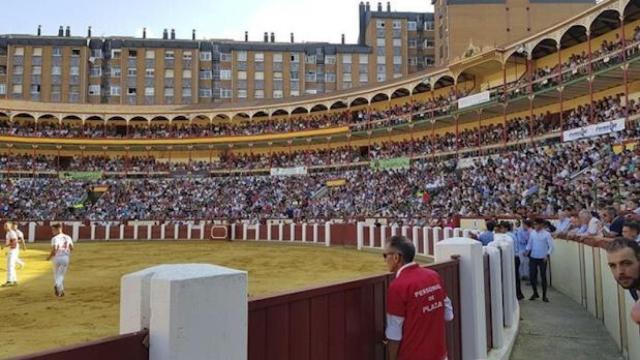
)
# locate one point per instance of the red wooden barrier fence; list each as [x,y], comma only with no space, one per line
[342,321]
[122,347]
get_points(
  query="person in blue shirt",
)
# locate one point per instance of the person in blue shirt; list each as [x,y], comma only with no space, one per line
[507,228]
[522,238]
[539,248]
[486,237]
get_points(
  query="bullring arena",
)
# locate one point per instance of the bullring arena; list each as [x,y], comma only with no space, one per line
[232,199]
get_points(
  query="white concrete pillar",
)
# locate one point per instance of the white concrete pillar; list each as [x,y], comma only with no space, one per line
[472,314]
[281,232]
[32,232]
[121,231]
[497,314]
[360,235]
[203,225]
[425,239]
[448,233]
[510,303]
[163,231]
[383,236]
[437,235]
[457,232]
[404,231]
[315,233]
[233,231]
[189,230]
[414,237]
[75,231]
[93,231]
[257,237]
[193,311]
[269,231]
[107,231]
[394,230]
[176,232]
[149,234]
[372,235]
[304,232]
[327,234]
[292,232]
[244,231]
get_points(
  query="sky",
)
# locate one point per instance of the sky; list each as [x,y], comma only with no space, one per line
[320,20]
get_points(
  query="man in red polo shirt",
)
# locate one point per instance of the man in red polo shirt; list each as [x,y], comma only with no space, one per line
[417,306]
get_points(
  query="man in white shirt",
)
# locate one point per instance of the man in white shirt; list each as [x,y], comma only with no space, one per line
[13,250]
[21,244]
[61,247]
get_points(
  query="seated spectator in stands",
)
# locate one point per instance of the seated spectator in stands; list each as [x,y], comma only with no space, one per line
[589,224]
[623,257]
[539,249]
[417,306]
[631,230]
[564,222]
[486,237]
[613,222]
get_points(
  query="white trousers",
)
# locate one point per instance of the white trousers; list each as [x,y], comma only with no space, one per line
[60,265]
[12,259]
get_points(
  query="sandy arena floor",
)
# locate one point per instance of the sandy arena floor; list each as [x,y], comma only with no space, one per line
[33,319]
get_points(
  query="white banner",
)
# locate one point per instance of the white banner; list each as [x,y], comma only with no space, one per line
[299,170]
[474,99]
[604,128]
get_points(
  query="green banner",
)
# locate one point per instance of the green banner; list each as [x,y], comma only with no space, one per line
[395,163]
[81,175]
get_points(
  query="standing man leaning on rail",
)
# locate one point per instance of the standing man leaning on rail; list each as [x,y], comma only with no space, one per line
[623,257]
[417,306]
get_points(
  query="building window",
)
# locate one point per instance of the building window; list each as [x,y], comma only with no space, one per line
[310,76]
[3,89]
[225,74]
[259,94]
[397,42]
[379,24]
[397,24]
[168,73]
[412,61]
[94,90]
[115,53]
[429,26]
[346,58]
[35,89]
[364,59]
[277,58]
[95,71]
[428,44]
[187,55]
[242,94]
[397,60]
[225,58]
[277,75]
[115,91]
[226,93]
[346,77]
[96,53]
[150,72]
[330,59]
[56,70]
[168,92]
[295,58]
[149,91]
[412,26]
[132,91]
[186,74]
[242,75]
[133,54]
[205,93]
[381,60]
[116,71]
[206,74]
[259,75]
[330,77]
[18,70]
[205,56]
[278,94]
[258,57]
[150,54]
[74,71]
[413,43]
[169,55]
[19,51]
[17,89]
[381,77]
[310,59]
[295,93]
[242,56]
[380,42]
[37,51]
[186,92]
[57,51]
[429,61]
[132,72]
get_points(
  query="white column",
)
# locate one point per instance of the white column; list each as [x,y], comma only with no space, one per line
[281,232]
[383,236]
[192,311]
[414,237]
[233,231]
[189,231]
[497,314]
[121,231]
[203,226]
[163,231]
[257,236]
[437,232]
[448,233]
[315,232]
[304,232]
[394,230]
[292,232]
[93,231]
[360,234]
[269,231]
[176,231]
[457,232]
[404,231]
[510,302]
[244,231]
[372,235]
[107,231]
[75,231]
[472,312]
[327,234]
[425,239]
[32,232]
[149,234]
